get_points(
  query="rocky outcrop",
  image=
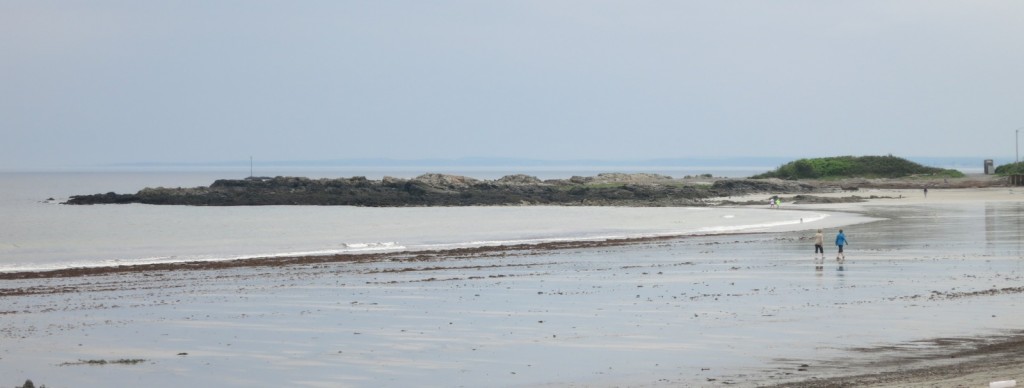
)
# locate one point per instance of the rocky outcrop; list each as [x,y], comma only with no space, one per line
[453,190]
[731,187]
[424,190]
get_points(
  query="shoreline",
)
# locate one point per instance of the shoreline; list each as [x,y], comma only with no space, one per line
[534,227]
[447,302]
[840,201]
[399,256]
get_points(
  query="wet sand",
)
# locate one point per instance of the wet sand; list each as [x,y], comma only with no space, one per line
[929,296]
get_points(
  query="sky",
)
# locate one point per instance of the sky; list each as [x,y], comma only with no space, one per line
[93,83]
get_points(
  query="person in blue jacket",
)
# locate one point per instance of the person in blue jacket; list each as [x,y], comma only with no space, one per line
[840,242]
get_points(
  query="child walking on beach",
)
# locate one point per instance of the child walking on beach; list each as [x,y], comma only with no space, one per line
[840,242]
[819,241]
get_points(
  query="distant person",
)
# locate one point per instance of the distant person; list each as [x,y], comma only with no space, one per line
[840,242]
[819,247]
[926,192]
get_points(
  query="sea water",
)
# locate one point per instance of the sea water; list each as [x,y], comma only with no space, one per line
[37,232]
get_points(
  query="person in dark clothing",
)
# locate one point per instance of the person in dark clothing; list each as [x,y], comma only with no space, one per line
[840,242]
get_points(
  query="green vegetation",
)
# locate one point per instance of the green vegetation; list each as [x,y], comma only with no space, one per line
[30,384]
[856,167]
[1010,169]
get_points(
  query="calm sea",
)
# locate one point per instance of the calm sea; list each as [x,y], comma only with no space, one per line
[37,232]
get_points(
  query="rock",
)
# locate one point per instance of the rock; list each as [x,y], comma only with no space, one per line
[750,186]
[518,179]
[392,181]
[640,178]
[424,190]
[452,190]
[445,181]
[579,180]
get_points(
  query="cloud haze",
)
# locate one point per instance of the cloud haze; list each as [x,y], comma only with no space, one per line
[93,83]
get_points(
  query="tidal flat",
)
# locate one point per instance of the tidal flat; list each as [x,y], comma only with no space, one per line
[929,284]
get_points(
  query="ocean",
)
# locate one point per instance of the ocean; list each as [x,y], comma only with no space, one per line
[39,233]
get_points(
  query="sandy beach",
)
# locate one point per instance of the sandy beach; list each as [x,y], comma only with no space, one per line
[930,295]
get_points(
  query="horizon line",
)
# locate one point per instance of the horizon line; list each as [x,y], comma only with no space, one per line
[758,161]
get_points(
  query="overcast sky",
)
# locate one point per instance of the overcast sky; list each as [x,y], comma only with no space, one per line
[85,83]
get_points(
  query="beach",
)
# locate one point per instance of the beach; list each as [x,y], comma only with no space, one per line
[929,295]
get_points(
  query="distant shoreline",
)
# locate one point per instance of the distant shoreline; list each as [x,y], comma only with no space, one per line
[606,189]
